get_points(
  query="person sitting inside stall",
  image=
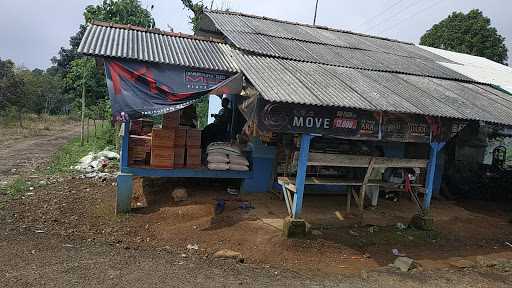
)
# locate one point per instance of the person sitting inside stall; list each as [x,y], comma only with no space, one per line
[218,130]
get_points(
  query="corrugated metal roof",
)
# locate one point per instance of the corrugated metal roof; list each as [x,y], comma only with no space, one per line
[477,68]
[156,47]
[326,46]
[284,80]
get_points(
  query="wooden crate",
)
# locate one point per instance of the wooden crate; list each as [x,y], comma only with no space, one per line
[193,157]
[180,136]
[193,138]
[141,127]
[138,149]
[171,120]
[162,138]
[179,157]
[162,157]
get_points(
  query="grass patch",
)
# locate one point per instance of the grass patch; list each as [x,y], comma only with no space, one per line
[17,187]
[69,155]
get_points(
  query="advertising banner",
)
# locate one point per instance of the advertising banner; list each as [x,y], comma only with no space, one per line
[333,121]
[138,89]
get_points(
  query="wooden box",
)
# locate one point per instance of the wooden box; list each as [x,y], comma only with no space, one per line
[179,157]
[138,149]
[141,126]
[193,138]
[162,138]
[171,120]
[193,158]
[180,136]
[162,157]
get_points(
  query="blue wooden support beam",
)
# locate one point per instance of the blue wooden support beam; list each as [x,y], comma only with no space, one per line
[300,180]
[435,148]
[124,147]
[124,193]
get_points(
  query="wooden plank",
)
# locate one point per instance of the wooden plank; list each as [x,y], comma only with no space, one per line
[400,163]
[354,194]
[365,182]
[349,197]
[343,160]
[287,199]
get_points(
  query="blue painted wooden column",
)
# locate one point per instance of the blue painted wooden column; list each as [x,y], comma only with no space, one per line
[124,180]
[435,148]
[301,174]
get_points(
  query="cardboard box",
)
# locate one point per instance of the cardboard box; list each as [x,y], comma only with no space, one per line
[162,157]
[171,120]
[162,138]
[193,138]
[193,158]
[179,157]
[180,138]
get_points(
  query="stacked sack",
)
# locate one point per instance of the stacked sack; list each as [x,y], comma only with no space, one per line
[226,156]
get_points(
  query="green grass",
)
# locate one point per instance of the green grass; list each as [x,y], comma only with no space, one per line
[69,155]
[17,187]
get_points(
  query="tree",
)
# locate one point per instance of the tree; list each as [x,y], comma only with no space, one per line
[469,33]
[82,72]
[12,95]
[197,10]
[119,12]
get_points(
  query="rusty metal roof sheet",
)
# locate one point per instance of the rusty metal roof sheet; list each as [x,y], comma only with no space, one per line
[145,45]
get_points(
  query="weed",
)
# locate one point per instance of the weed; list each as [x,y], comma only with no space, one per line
[17,187]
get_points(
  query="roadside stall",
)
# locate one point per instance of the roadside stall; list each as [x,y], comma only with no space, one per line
[359,119]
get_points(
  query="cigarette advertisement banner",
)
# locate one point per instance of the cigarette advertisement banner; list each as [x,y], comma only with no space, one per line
[353,123]
[138,89]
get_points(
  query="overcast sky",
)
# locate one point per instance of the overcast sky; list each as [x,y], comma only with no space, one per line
[31,31]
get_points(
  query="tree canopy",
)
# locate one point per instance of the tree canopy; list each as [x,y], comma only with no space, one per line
[197,9]
[469,33]
[119,12]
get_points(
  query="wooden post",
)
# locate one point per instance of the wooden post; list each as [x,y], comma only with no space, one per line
[83,114]
[365,183]
[435,147]
[302,164]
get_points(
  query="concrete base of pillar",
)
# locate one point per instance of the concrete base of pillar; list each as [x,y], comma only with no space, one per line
[295,228]
[423,222]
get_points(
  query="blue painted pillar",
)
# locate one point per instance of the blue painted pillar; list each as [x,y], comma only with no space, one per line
[301,174]
[124,181]
[435,148]
[124,146]
[124,193]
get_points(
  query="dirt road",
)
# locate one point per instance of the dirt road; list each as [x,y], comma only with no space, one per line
[65,234]
[26,154]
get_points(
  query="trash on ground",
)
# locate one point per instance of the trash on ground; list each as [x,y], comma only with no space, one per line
[401,226]
[339,216]
[94,165]
[397,253]
[192,246]
[403,263]
[228,254]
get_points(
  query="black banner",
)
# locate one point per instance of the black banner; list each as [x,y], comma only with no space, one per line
[137,89]
[296,118]
[405,128]
[352,123]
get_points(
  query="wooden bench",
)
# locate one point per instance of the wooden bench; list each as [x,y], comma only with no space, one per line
[342,160]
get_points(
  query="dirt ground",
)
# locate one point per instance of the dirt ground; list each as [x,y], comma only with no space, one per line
[65,234]
[22,151]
